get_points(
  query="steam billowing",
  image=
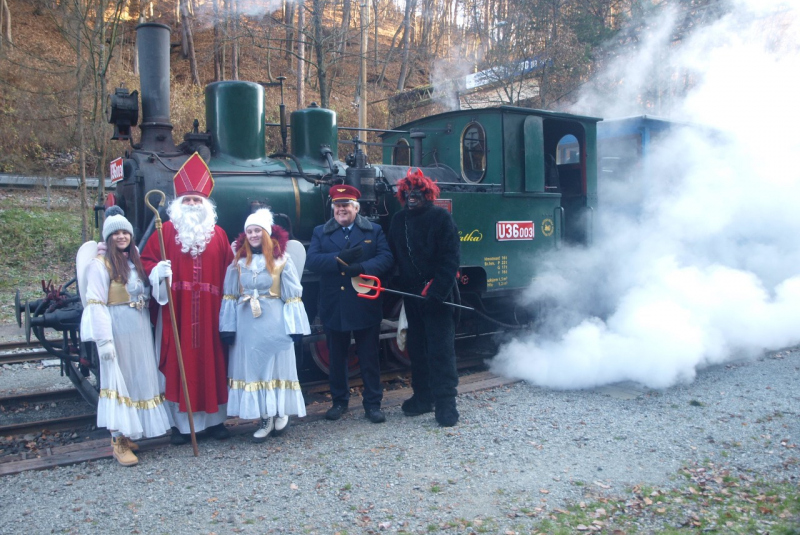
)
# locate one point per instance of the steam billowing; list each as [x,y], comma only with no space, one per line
[698,262]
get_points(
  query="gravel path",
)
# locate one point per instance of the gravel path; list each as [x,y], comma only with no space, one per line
[517,448]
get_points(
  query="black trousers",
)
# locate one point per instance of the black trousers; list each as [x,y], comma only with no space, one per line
[367,350]
[431,348]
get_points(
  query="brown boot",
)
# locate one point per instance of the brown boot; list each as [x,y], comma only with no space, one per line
[131,444]
[122,452]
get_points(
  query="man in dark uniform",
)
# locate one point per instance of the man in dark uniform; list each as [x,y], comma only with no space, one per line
[344,247]
[425,244]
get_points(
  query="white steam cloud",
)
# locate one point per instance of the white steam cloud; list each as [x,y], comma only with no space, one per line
[698,262]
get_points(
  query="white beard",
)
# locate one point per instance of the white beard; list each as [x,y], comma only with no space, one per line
[194,225]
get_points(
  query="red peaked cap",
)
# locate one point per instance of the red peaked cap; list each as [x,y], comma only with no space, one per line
[344,193]
[194,178]
[415,179]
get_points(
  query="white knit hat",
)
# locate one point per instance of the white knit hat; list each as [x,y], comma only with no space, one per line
[115,220]
[262,218]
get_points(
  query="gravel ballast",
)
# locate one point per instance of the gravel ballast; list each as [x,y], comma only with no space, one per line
[516,448]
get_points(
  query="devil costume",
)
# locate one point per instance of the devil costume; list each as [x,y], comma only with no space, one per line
[425,244]
[263,309]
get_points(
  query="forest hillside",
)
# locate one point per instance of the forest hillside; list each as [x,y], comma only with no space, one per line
[59,60]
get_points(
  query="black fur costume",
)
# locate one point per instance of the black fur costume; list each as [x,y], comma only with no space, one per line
[425,245]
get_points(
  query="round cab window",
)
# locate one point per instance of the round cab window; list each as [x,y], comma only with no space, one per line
[473,153]
[401,154]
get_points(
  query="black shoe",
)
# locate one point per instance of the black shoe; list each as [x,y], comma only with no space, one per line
[414,406]
[176,438]
[375,415]
[336,411]
[446,412]
[219,431]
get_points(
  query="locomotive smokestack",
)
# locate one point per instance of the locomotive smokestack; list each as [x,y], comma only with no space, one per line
[152,42]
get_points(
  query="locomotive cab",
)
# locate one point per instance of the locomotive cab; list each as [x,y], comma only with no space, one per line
[524,182]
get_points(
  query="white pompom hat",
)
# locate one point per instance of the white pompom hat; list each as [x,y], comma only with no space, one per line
[262,218]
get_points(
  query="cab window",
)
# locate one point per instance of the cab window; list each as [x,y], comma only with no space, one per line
[473,153]
[401,154]
[568,150]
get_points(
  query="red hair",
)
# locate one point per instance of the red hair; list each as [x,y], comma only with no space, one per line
[277,242]
[416,180]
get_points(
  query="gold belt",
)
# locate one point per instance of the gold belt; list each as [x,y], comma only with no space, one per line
[139,304]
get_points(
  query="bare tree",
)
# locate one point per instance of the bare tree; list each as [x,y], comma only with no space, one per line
[186,25]
[405,44]
[5,21]
[217,52]
[301,54]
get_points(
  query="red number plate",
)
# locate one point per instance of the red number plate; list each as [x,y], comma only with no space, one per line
[116,170]
[514,230]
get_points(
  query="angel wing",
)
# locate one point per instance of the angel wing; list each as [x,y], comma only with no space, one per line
[298,254]
[86,253]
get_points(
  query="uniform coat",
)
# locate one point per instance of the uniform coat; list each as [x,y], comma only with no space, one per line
[342,311]
[340,308]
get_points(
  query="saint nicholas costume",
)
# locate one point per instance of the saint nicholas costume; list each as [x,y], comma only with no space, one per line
[197,297]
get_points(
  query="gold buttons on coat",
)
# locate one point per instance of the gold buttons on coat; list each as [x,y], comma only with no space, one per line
[342,288]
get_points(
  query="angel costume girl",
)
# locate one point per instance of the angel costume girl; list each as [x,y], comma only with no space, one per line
[262,311]
[117,319]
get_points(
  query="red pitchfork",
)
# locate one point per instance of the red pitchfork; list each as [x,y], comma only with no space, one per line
[378,289]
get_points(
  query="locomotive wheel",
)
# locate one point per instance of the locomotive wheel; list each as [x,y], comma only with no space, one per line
[319,352]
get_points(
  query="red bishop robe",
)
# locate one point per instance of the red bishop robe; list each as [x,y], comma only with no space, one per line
[197,297]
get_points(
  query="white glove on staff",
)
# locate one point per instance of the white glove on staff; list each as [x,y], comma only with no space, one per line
[164,269]
[105,348]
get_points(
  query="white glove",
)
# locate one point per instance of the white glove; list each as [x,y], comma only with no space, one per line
[105,348]
[164,269]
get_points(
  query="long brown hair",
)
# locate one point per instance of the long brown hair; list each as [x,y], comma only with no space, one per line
[266,247]
[119,262]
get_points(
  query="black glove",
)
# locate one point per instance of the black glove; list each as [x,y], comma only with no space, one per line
[227,337]
[353,270]
[296,338]
[349,255]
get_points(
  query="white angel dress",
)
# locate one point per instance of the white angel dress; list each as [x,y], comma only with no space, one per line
[263,309]
[130,400]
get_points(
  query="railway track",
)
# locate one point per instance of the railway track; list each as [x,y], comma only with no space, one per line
[21,352]
[99,448]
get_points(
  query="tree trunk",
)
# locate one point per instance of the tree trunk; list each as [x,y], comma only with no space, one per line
[319,49]
[234,18]
[5,19]
[343,29]
[187,32]
[288,21]
[301,55]
[81,139]
[217,52]
[389,55]
[406,44]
